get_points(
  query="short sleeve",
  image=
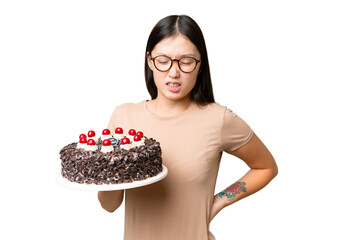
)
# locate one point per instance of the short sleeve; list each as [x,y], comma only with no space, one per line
[235,132]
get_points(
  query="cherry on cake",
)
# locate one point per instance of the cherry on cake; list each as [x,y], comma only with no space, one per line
[111,159]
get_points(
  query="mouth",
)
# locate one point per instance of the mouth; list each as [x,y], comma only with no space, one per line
[173,86]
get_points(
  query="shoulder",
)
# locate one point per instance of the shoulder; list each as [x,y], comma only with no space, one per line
[217,109]
[227,117]
[128,107]
[213,108]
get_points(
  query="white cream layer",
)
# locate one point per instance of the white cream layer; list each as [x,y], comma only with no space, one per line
[106,149]
[125,146]
[132,145]
[91,148]
[139,143]
[103,137]
[81,145]
[131,138]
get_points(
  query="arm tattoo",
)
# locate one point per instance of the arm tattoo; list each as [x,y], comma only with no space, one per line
[234,189]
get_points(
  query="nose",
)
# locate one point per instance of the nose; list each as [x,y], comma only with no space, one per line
[174,71]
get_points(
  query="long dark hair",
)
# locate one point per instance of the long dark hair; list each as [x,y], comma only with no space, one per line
[202,92]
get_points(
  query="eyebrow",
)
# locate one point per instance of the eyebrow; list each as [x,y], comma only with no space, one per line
[181,56]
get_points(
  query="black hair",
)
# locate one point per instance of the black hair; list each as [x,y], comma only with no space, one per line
[202,93]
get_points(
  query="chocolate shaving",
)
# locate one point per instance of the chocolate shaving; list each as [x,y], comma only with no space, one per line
[119,166]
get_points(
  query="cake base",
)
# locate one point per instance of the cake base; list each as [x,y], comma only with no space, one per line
[110,187]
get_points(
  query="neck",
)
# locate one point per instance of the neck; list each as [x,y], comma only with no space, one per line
[167,107]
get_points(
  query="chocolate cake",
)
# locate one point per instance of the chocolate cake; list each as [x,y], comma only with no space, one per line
[120,165]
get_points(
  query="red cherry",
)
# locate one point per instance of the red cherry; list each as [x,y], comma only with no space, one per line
[91,133]
[137,138]
[132,132]
[119,130]
[140,134]
[106,132]
[91,142]
[106,142]
[82,136]
[125,141]
[82,140]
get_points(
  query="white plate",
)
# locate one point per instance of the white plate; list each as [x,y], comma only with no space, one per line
[109,187]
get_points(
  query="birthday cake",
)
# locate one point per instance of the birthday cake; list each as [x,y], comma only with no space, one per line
[111,159]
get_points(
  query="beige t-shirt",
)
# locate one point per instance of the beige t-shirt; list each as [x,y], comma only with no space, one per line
[178,207]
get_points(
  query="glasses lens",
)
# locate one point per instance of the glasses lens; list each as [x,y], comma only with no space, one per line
[162,63]
[187,64]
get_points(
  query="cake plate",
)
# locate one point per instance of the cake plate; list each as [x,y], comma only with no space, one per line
[110,187]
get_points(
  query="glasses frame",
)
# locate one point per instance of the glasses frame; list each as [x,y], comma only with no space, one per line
[172,62]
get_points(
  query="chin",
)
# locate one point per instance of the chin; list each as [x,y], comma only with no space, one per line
[176,97]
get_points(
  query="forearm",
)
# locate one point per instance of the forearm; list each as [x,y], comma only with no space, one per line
[110,200]
[251,182]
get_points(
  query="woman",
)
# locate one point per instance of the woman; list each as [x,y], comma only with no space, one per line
[193,131]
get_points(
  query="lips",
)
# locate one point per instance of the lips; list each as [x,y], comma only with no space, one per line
[173,83]
[173,86]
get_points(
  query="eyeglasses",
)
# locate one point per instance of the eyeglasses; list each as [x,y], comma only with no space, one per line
[164,63]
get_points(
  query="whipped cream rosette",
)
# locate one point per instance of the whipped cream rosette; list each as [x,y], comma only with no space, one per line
[92,135]
[138,141]
[119,133]
[82,141]
[106,146]
[125,143]
[91,146]
[106,134]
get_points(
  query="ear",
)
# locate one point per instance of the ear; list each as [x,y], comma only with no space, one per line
[149,62]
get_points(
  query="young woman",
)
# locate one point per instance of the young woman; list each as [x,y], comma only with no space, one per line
[193,131]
